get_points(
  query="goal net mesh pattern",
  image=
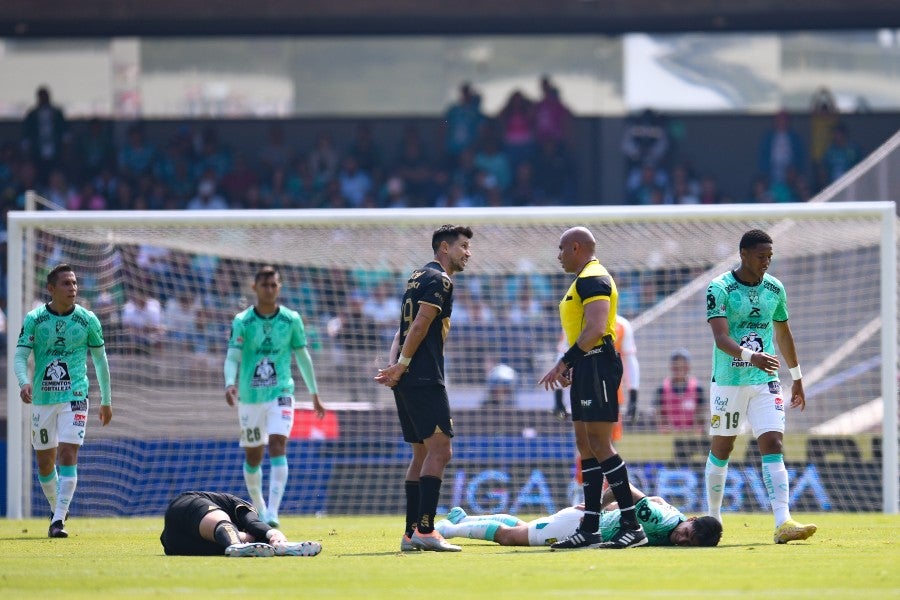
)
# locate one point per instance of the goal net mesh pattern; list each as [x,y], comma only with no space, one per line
[167,288]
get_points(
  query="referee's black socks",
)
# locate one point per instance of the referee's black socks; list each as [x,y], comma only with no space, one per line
[617,476]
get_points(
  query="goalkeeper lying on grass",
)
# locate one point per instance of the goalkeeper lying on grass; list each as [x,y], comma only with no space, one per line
[664,524]
[211,523]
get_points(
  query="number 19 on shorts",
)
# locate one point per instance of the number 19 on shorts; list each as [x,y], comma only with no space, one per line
[731,420]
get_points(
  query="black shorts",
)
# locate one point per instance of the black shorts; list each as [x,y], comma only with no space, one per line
[423,410]
[181,531]
[595,386]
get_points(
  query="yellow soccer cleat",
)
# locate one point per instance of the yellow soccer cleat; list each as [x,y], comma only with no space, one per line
[791,530]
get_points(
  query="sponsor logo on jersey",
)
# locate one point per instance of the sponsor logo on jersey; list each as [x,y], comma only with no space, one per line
[721,403]
[775,387]
[753,296]
[752,342]
[779,403]
[587,402]
[286,414]
[56,377]
[79,419]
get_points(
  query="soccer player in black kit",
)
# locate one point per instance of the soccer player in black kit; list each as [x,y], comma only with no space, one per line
[416,375]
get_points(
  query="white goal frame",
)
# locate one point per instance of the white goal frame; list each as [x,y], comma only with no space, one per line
[19,456]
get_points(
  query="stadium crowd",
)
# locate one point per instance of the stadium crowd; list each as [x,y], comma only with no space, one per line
[522,156]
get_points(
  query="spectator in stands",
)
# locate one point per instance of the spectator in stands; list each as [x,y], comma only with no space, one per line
[517,124]
[679,400]
[523,192]
[554,173]
[493,161]
[462,123]
[823,116]
[323,159]
[455,196]
[211,156]
[709,191]
[136,156]
[182,315]
[646,143]
[552,119]
[276,190]
[413,168]
[357,340]
[646,186]
[685,187]
[841,155]
[781,149]
[207,198]
[354,182]
[45,133]
[365,148]
[89,199]
[60,193]
[142,322]
[759,191]
[238,180]
[95,149]
[276,153]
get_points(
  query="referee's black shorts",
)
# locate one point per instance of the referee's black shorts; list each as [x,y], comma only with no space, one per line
[595,385]
[181,532]
[423,411]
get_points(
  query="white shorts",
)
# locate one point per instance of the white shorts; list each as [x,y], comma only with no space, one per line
[733,407]
[558,526]
[54,423]
[259,421]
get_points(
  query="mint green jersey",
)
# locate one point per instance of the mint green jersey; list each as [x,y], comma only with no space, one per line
[60,344]
[267,347]
[658,521]
[751,311]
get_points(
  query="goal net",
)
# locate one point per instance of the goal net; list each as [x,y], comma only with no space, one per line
[166,286]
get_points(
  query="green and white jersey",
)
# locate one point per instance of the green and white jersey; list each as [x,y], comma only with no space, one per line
[267,346]
[658,521]
[60,344]
[751,311]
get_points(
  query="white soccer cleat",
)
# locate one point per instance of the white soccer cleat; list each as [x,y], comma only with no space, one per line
[456,515]
[309,548]
[433,541]
[250,549]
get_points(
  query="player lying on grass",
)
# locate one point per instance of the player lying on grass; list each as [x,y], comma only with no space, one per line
[664,524]
[213,523]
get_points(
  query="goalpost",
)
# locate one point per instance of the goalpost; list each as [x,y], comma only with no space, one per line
[344,271]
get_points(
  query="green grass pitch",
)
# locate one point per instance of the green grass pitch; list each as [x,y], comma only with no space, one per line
[852,556]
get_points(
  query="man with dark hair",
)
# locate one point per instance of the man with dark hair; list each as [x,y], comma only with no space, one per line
[745,309]
[61,333]
[416,375]
[213,523]
[263,339]
[664,524]
[588,316]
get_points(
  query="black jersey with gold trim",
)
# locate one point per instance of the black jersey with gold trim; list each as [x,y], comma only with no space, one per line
[428,285]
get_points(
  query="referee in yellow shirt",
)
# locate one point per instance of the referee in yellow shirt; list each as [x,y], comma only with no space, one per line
[594,369]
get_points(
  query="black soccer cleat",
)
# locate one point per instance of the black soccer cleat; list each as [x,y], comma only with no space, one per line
[626,538]
[57,531]
[578,541]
